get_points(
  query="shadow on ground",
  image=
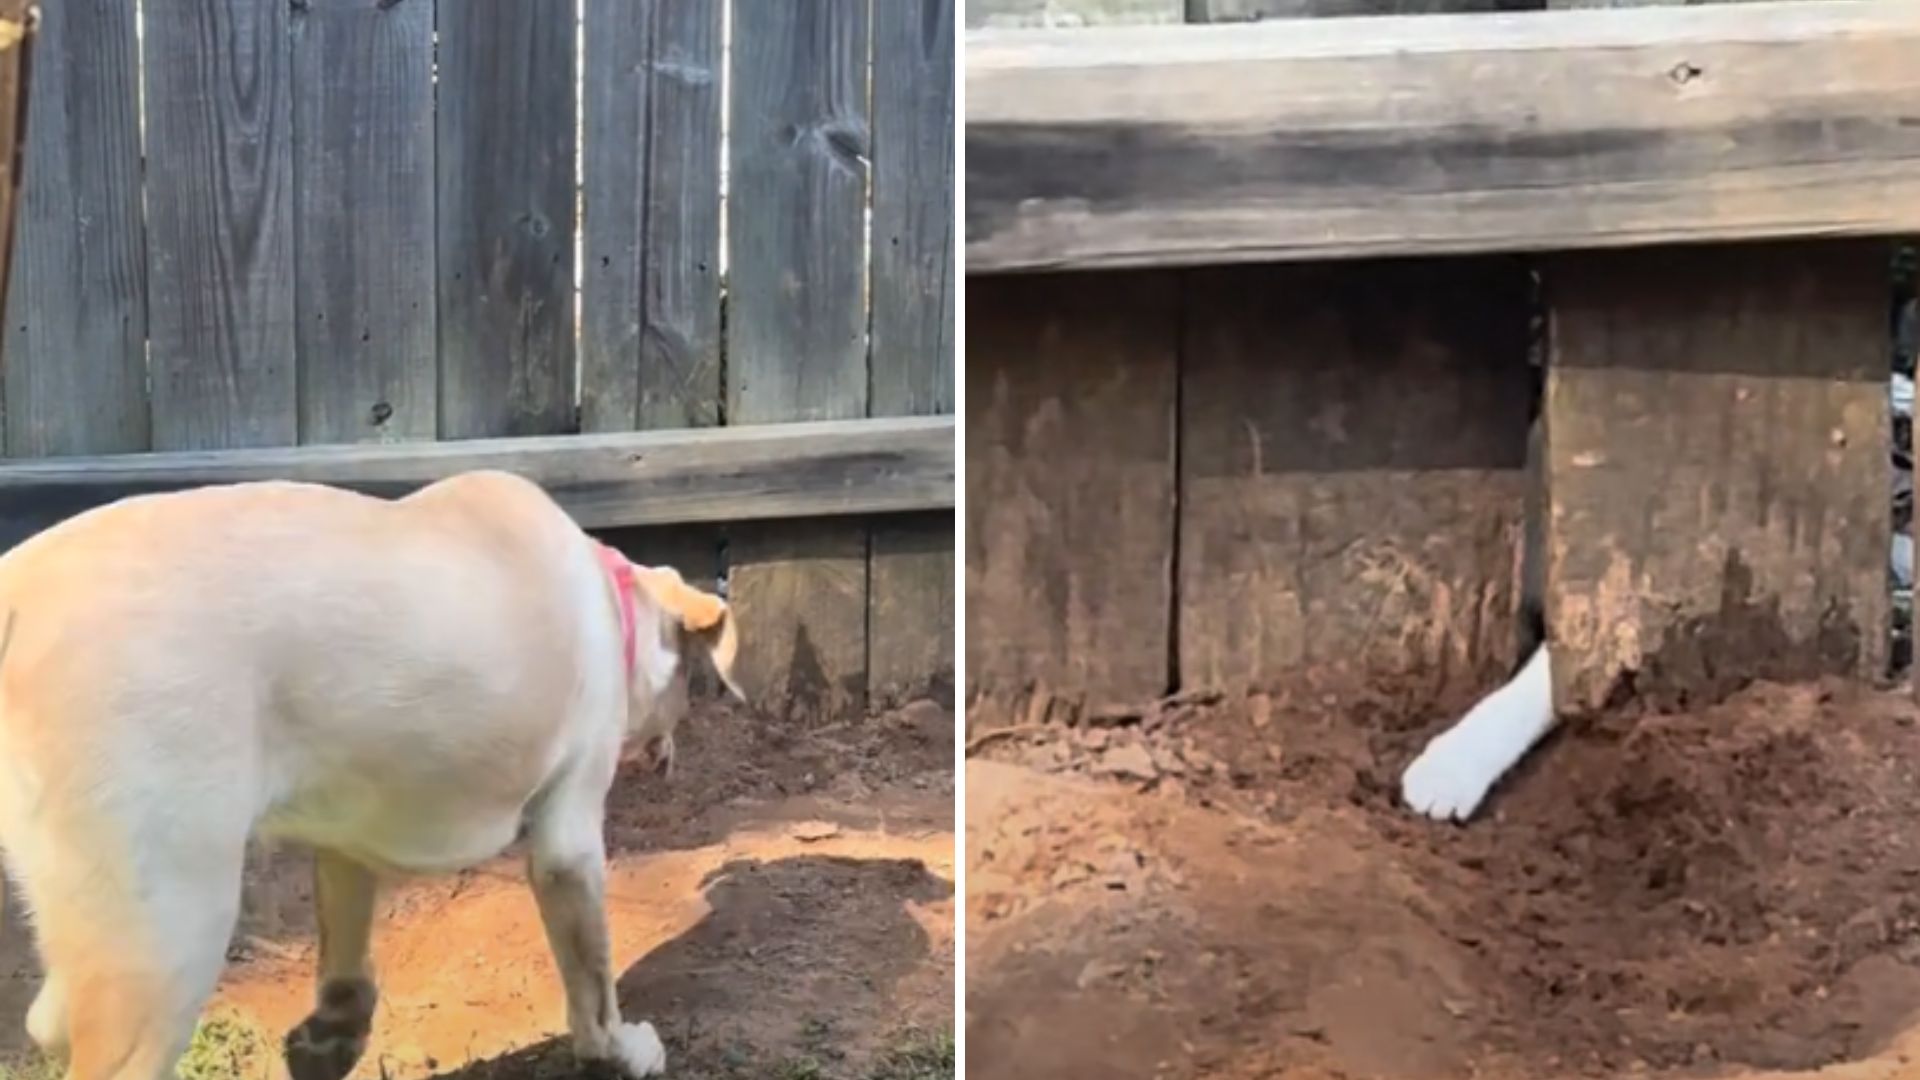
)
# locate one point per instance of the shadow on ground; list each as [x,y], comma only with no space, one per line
[784,978]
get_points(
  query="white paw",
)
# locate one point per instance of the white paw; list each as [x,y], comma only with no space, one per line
[1449,778]
[638,1049]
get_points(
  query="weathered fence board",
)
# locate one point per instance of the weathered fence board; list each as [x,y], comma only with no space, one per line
[910,601]
[76,328]
[1717,435]
[363,220]
[846,467]
[357,236]
[504,162]
[1132,147]
[796,326]
[1351,487]
[650,283]
[1071,387]
[220,269]
[650,330]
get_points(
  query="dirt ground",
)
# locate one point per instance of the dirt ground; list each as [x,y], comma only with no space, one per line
[1229,889]
[781,907]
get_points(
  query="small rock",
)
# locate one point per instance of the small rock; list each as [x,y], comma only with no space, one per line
[1129,761]
[1069,875]
[808,832]
[1260,710]
[928,720]
[1095,738]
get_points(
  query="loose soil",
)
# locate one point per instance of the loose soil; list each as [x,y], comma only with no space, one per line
[1229,889]
[782,906]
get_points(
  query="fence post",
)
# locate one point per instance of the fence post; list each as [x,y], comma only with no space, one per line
[796,330]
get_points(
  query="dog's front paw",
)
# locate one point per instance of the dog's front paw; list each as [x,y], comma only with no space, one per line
[327,1044]
[637,1051]
[1449,778]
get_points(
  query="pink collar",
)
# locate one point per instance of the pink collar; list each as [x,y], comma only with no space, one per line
[620,574]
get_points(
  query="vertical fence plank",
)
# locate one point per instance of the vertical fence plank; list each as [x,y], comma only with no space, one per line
[76,365]
[219,223]
[1072,390]
[650,291]
[1331,538]
[650,286]
[363,219]
[504,158]
[796,328]
[910,606]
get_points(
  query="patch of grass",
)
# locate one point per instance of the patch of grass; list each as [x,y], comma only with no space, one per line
[916,1055]
[33,1068]
[225,1046]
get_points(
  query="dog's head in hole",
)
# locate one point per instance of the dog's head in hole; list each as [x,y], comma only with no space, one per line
[672,619]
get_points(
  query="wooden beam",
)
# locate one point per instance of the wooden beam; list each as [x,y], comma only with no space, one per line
[637,478]
[1441,134]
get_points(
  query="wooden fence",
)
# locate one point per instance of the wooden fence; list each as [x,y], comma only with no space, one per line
[1253,360]
[553,236]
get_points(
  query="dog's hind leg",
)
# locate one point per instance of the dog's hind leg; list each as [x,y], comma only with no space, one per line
[136,960]
[47,1018]
[327,1044]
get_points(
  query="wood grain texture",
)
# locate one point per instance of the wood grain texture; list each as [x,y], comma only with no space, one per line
[75,344]
[796,311]
[1122,147]
[1353,439]
[220,259]
[363,220]
[650,294]
[22,23]
[1071,388]
[1717,433]
[910,644]
[1071,13]
[843,468]
[796,330]
[504,151]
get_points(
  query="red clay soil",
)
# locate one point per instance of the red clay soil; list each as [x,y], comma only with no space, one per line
[784,902]
[1221,891]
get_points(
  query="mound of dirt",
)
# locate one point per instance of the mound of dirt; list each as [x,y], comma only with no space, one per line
[1229,889]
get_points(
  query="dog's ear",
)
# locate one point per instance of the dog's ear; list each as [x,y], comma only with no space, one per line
[705,617]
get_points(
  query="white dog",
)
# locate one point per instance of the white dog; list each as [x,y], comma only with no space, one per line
[403,686]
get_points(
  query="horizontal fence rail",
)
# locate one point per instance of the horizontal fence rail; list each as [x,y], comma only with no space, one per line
[756,472]
[1441,134]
